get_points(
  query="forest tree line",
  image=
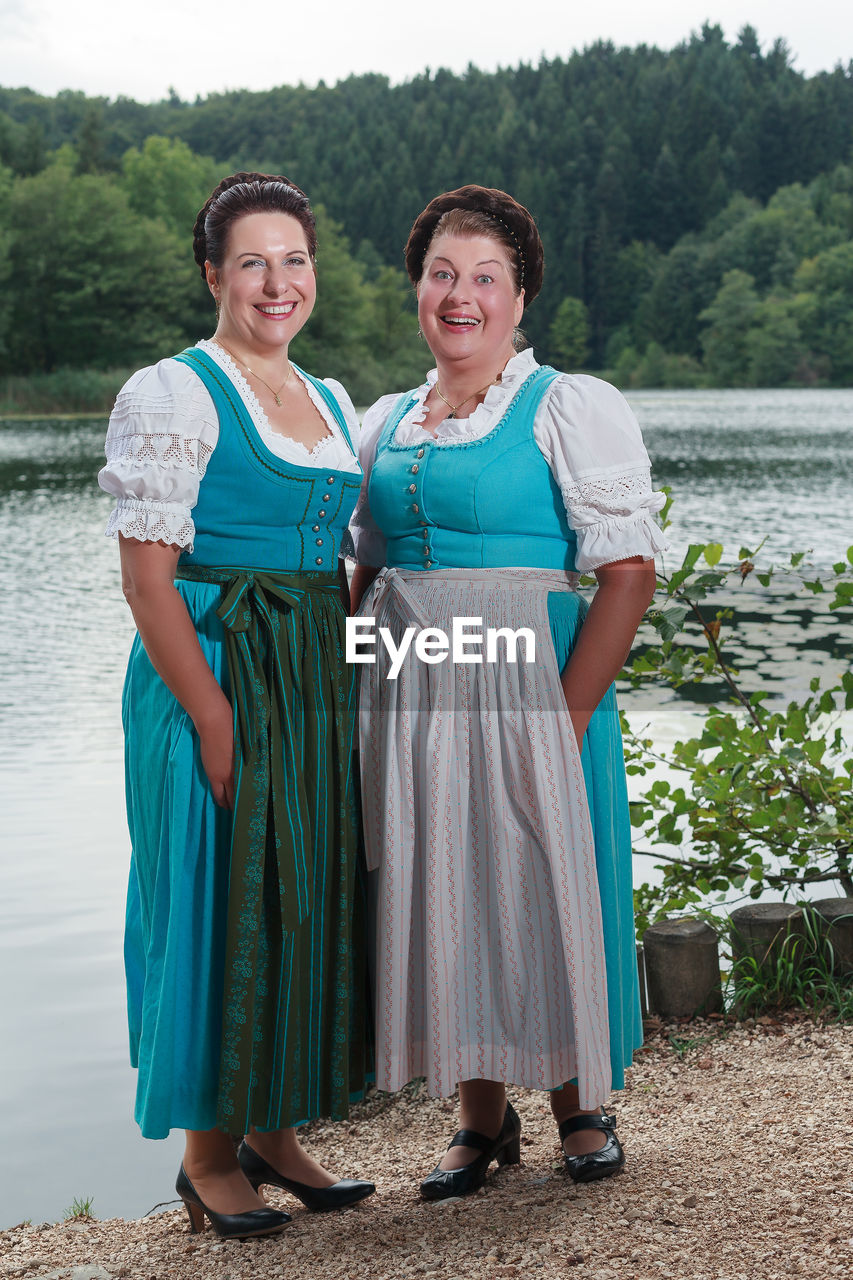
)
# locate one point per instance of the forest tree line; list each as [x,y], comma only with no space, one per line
[696,207]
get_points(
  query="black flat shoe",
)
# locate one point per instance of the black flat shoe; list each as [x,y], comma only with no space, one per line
[441,1184]
[317,1199]
[603,1163]
[231,1226]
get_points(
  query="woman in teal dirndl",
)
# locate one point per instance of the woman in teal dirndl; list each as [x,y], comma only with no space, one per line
[495,804]
[235,475]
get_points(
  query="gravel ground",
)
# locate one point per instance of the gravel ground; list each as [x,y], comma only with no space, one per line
[738,1143]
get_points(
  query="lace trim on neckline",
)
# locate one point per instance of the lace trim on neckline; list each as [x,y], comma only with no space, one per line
[477,424]
[256,410]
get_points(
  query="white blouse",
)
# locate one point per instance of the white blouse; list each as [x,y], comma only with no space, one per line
[163,430]
[587,434]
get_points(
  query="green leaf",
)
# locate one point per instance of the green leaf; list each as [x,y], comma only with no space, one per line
[694,551]
[670,620]
[713,552]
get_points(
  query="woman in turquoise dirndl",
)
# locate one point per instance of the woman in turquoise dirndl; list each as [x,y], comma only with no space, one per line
[235,476]
[494,794]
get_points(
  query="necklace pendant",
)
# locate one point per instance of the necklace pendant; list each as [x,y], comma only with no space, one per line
[277,398]
[451,414]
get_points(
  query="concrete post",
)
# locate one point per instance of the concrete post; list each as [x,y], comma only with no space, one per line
[759,929]
[682,968]
[837,914]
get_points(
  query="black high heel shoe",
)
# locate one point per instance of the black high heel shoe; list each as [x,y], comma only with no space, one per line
[317,1199]
[602,1163]
[231,1226]
[441,1184]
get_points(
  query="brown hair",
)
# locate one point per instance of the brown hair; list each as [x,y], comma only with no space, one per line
[243,193]
[475,210]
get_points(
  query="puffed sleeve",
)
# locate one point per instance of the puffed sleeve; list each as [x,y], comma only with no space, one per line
[591,440]
[368,541]
[161,434]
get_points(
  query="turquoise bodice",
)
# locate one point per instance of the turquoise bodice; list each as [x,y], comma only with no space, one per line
[255,510]
[487,503]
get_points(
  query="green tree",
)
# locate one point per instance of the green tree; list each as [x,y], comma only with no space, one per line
[774,345]
[569,334]
[728,320]
[105,290]
[824,300]
[6,182]
[90,141]
[164,179]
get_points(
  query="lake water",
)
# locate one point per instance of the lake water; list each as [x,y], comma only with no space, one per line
[744,465]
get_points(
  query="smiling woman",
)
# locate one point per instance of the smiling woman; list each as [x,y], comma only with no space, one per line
[495,806]
[235,476]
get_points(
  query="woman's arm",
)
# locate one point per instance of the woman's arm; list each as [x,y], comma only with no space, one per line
[362,577]
[625,589]
[161,617]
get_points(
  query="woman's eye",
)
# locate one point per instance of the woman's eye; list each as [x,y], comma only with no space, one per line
[296,261]
[442,275]
[254,262]
[484,279]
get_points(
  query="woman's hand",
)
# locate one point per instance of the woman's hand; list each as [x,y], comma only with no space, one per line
[362,578]
[625,589]
[216,736]
[167,631]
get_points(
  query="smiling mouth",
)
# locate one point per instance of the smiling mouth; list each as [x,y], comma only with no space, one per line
[460,322]
[279,309]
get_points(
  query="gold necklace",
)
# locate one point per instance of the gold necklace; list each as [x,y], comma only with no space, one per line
[454,408]
[277,394]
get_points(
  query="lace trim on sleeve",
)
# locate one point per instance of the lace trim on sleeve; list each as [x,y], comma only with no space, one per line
[167,449]
[628,494]
[152,522]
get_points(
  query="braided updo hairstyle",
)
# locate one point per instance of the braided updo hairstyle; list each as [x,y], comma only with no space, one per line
[242,193]
[475,210]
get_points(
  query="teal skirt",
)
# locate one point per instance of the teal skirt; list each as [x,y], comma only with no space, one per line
[603,761]
[246,999]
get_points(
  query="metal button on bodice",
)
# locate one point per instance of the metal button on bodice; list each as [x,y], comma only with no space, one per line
[319,541]
[427,564]
[423,522]
[319,560]
[330,479]
[415,468]
[326,497]
[420,453]
[315,528]
[426,552]
[413,488]
[321,514]
[425,532]
[415,508]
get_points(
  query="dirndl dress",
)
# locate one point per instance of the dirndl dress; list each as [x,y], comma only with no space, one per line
[506,946]
[244,945]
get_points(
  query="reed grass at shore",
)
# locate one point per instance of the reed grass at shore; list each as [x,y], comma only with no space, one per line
[64,391]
